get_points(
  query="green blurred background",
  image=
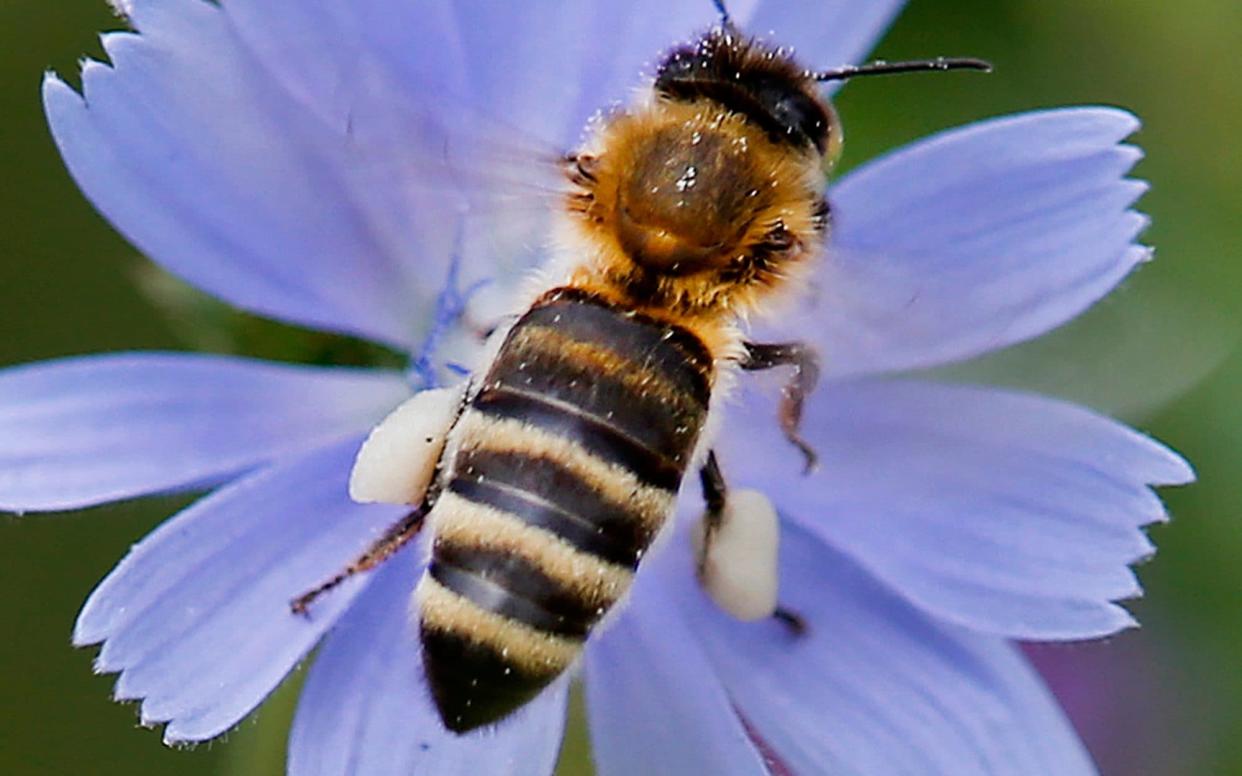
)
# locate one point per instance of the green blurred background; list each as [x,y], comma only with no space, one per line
[1161,353]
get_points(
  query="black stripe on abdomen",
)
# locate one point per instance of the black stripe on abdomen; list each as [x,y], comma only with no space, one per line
[579,532]
[632,390]
[616,532]
[622,389]
[513,588]
[672,351]
[595,435]
[474,684]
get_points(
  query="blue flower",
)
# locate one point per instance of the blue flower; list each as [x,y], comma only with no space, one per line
[281,154]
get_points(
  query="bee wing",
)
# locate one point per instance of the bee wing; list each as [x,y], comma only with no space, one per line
[448,163]
[444,121]
[447,156]
[398,460]
[435,179]
[450,147]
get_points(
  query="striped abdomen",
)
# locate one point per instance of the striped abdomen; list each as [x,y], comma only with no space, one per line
[566,464]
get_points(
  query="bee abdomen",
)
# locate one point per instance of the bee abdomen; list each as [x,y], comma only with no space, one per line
[582,520]
[567,463]
[481,665]
[505,607]
[513,587]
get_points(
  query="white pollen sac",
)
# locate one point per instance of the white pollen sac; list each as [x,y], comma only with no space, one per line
[738,568]
[398,460]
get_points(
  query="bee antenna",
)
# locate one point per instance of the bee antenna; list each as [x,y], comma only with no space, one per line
[726,21]
[915,66]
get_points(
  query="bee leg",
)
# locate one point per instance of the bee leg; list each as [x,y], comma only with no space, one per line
[760,356]
[712,481]
[795,622]
[581,169]
[396,537]
[736,551]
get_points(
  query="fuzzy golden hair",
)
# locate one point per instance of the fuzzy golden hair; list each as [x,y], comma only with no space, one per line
[693,208]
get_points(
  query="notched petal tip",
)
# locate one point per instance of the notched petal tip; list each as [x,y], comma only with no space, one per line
[1155,464]
[1137,187]
[202,641]
[98,667]
[122,8]
[178,173]
[83,638]
[1175,470]
[1035,208]
[1104,119]
[1132,590]
[58,97]
[1127,121]
[49,80]
[998,510]
[180,734]
[1122,617]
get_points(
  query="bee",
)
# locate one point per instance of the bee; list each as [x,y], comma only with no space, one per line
[547,477]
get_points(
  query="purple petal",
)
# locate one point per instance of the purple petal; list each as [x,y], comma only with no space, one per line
[366,708]
[83,431]
[655,704]
[496,59]
[544,66]
[196,618]
[214,172]
[461,100]
[875,686]
[1009,513]
[415,143]
[469,97]
[976,239]
[825,33]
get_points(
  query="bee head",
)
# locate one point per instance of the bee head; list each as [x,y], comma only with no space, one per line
[763,84]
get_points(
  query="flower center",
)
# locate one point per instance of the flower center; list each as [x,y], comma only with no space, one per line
[447,339]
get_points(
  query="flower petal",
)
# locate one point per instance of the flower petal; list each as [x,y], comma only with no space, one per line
[1008,513]
[637,724]
[366,708]
[438,165]
[491,59]
[196,618]
[462,102]
[825,33]
[215,173]
[537,66]
[469,97]
[83,431]
[875,686]
[976,239]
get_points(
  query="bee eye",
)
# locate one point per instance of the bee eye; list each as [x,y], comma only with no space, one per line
[799,114]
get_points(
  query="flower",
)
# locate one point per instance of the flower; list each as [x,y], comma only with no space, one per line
[282,155]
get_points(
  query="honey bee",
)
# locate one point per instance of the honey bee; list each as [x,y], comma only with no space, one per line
[547,477]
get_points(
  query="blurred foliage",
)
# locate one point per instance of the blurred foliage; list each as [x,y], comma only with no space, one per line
[1161,351]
